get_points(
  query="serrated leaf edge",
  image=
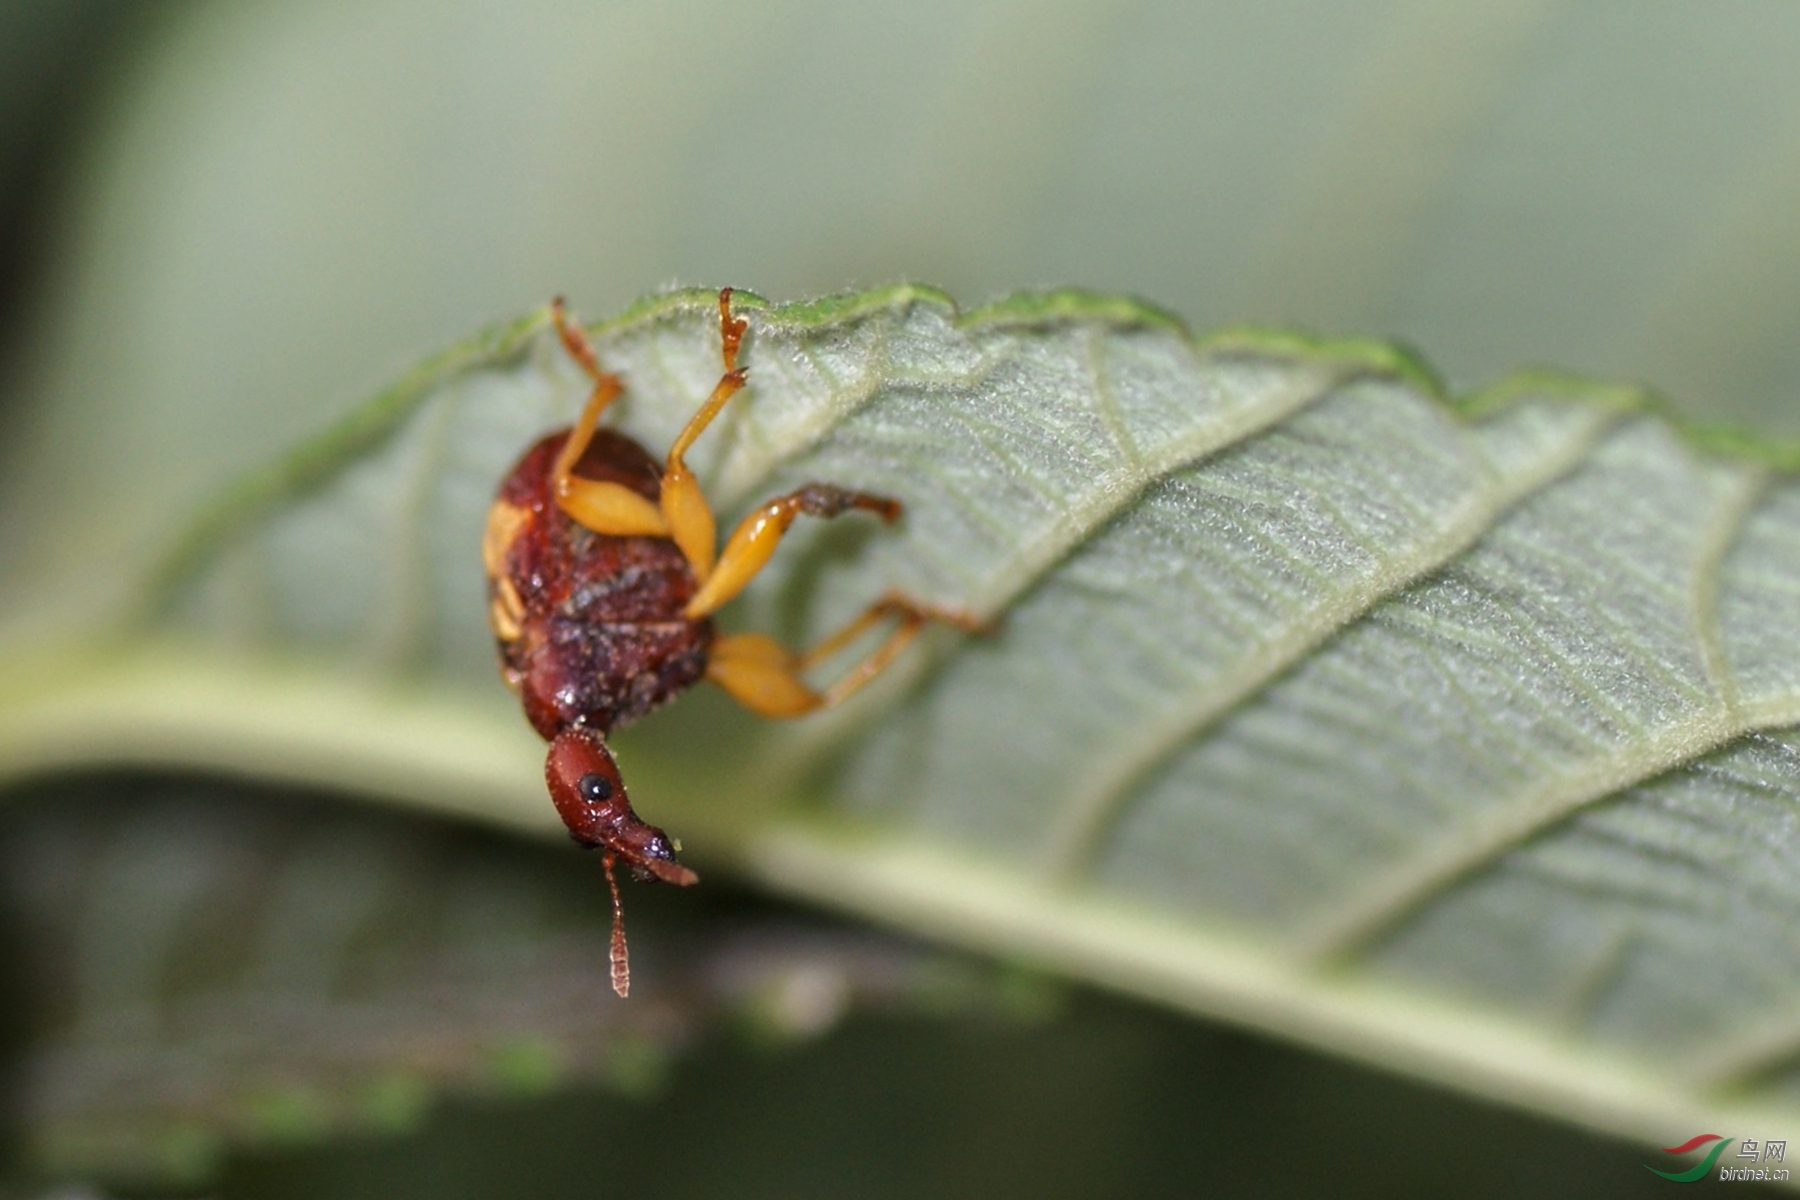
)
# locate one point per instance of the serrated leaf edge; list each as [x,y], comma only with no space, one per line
[315,460]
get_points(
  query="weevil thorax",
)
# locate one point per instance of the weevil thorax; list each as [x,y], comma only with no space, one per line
[589,626]
[590,797]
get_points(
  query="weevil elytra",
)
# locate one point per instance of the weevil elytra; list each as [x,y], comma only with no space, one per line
[603,575]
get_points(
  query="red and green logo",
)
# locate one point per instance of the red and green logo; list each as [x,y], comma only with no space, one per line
[1694,1143]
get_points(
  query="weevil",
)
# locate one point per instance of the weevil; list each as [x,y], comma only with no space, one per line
[603,575]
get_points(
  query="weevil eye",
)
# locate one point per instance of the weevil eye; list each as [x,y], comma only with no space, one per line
[594,788]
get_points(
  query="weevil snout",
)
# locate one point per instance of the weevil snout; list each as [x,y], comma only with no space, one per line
[659,863]
[590,798]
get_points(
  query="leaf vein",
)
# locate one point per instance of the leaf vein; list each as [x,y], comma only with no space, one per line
[1100,794]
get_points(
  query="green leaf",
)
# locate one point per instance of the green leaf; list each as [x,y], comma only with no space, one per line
[1459,737]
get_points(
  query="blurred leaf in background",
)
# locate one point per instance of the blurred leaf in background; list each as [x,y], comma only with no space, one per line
[223,967]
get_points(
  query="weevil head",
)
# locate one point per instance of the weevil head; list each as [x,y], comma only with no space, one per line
[590,798]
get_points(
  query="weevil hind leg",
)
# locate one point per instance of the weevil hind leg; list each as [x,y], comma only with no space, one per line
[765,676]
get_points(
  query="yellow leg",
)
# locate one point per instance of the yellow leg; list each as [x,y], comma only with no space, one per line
[689,517]
[764,676]
[606,507]
[756,537]
[599,506]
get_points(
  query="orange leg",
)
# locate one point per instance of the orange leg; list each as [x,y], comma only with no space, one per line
[683,516]
[684,508]
[599,506]
[764,676]
[757,535]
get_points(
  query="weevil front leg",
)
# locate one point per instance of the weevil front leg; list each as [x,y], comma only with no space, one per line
[683,514]
[765,676]
[601,506]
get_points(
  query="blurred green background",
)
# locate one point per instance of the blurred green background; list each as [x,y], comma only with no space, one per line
[221,223]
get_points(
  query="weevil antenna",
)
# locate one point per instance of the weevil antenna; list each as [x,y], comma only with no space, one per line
[621,964]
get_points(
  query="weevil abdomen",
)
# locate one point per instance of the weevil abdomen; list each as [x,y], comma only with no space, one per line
[588,622]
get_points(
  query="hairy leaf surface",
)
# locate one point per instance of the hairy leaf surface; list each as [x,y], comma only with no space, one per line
[1460,736]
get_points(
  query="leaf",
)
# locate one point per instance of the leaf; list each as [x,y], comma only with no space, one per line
[228,966]
[1459,737]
